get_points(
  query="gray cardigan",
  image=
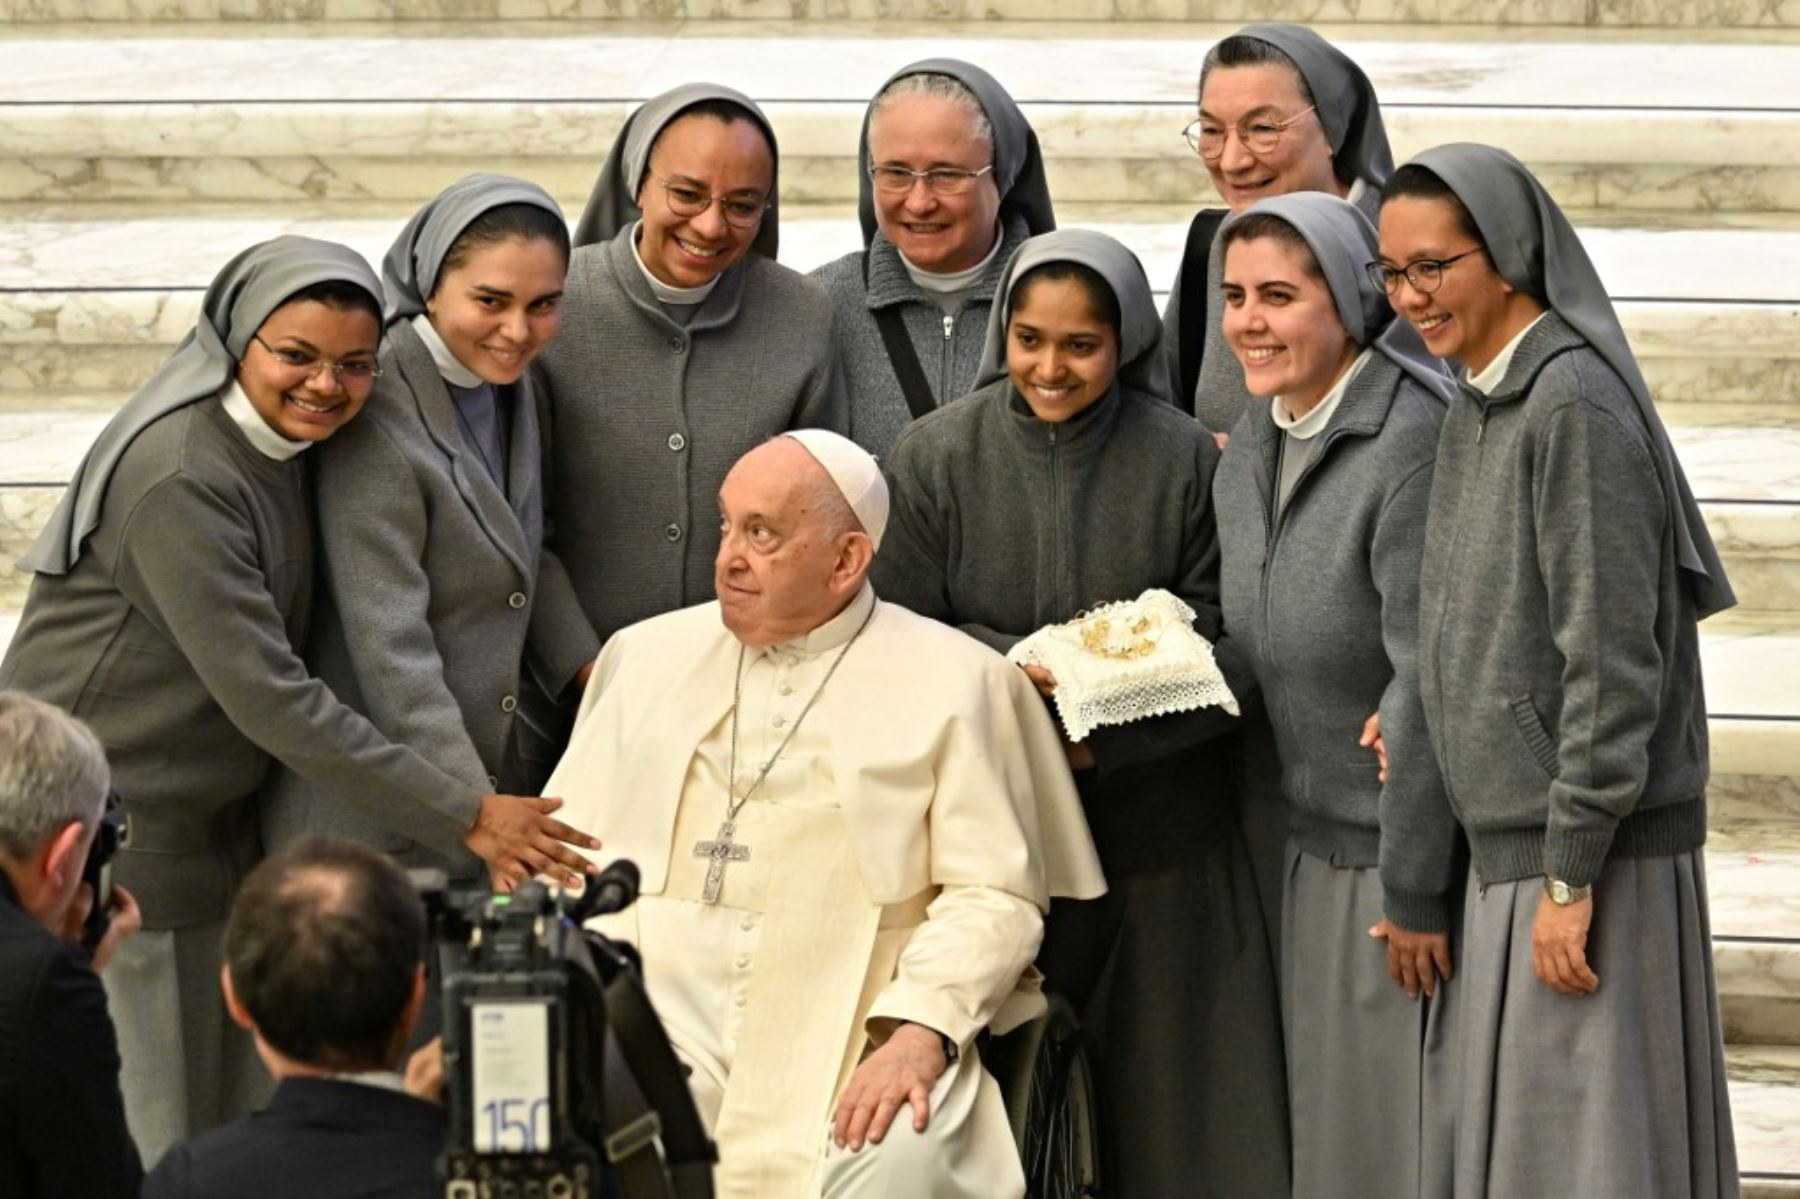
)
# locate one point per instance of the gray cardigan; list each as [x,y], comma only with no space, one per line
[1559,654]
[949,346]
[436,593]
[1002,523]
[175,636]
[1324,603]
[642,417]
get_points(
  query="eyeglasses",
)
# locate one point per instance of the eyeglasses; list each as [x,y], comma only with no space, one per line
[1207,138]
[743,210]
[939,181]
[361,370]
[1425,274]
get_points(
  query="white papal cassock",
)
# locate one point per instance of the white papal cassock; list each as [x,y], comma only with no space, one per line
[902,851]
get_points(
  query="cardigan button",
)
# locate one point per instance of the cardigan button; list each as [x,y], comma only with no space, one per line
[677,442]
[678,344]
[508,703]
[672,532]
[516,600]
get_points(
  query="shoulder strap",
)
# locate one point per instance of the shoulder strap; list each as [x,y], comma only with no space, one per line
[901,355]
[651,1121]
[1196,265]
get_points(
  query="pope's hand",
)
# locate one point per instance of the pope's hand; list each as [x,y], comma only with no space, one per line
[1415,960]
[902,1071]
[517,838]
[1559,946]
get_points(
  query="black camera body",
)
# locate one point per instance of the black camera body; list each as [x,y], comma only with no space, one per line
[112,835]
[542,1089]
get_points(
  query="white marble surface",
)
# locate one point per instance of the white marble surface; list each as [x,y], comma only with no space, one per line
[1116,62]
[1765,1106]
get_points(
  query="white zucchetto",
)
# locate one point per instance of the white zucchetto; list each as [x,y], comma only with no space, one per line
[856,474]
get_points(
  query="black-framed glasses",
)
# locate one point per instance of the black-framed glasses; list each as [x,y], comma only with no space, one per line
[743,210]
[1207,137]
[939,181]
[357,370]
[1425,274]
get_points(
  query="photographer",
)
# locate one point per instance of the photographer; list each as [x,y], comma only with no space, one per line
[62,1119]
[325,967]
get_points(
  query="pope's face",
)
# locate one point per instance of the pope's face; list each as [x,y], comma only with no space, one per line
[778,572]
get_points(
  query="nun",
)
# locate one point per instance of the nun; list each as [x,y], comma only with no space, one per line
[951,183]
[1281,110]
[430,514]
[1566,567]
[172,600]
[684,345]
[1065,480]
[1321,500]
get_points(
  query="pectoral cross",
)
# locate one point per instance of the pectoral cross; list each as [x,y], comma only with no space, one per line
[720,852]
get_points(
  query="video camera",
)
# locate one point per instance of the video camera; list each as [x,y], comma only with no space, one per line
[560,1082]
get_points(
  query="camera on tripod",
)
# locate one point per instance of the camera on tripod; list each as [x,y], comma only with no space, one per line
[560,1083]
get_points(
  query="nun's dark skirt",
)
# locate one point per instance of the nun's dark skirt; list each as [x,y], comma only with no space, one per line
[1171,974]
[1616,1094]
[1371,1072]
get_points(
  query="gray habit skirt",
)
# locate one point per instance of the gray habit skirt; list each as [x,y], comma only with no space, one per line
[1371,1072]
[1616,1094]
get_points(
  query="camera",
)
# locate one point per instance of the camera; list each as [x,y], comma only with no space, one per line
[112,834]
[560,1082]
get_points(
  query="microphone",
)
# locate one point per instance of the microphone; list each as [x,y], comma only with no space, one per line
[612,890]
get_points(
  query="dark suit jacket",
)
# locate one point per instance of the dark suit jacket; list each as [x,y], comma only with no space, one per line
[62,1120]
[317,1138]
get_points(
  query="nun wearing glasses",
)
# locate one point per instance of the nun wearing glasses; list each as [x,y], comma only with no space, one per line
[952,183]
[172,598]
[683,346]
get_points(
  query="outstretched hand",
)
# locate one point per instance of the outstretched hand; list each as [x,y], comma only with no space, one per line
[517,837]
[901,1072]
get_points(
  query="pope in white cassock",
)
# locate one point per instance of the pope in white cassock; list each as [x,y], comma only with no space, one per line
[850,821]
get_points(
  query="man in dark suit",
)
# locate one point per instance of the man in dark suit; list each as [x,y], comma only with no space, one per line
[62,1118]
[325,966]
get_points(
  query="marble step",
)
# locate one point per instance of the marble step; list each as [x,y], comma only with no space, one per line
[1765,1108]
[1708,122]
[1597,14]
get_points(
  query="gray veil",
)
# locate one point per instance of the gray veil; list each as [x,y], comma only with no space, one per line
[613,205]
[409,273]
[1344,244]
[1018,163]
[1535,249]
[237,302]
[1347,106]
[1141,364]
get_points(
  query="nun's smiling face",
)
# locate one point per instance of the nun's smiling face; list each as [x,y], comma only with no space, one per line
[949,225]
[700,159]
[1061,353]
[1258,104]
[498,307]
[1469,315]
[310,368]
[1282,323]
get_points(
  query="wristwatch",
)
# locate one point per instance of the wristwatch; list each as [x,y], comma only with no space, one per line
[1562,894]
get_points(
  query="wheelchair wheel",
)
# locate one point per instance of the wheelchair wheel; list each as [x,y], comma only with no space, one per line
[1048,1084]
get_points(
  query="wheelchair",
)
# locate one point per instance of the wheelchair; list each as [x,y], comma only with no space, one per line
[1047,1083]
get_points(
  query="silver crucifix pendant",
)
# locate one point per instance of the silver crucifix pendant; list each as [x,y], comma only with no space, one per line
[720,852]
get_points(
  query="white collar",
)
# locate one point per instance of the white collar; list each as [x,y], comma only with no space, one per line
[1307,427]
[831,635]
[944,284]
[386,1080]
[1494,372]
[450,367]
[687,297]
[263,437]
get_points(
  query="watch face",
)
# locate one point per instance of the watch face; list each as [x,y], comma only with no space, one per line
[1559,891]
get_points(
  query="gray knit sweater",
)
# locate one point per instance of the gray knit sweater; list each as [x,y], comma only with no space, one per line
[642,418]
[1559,655]
[1323,601]
[176,636]
[949,346]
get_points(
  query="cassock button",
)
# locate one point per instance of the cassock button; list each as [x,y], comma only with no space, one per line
[738,1002]
[516,600]
[779,722]
[747,923]
[786,689]
[744,962]
[677,442]
[672,532]
[508,703]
